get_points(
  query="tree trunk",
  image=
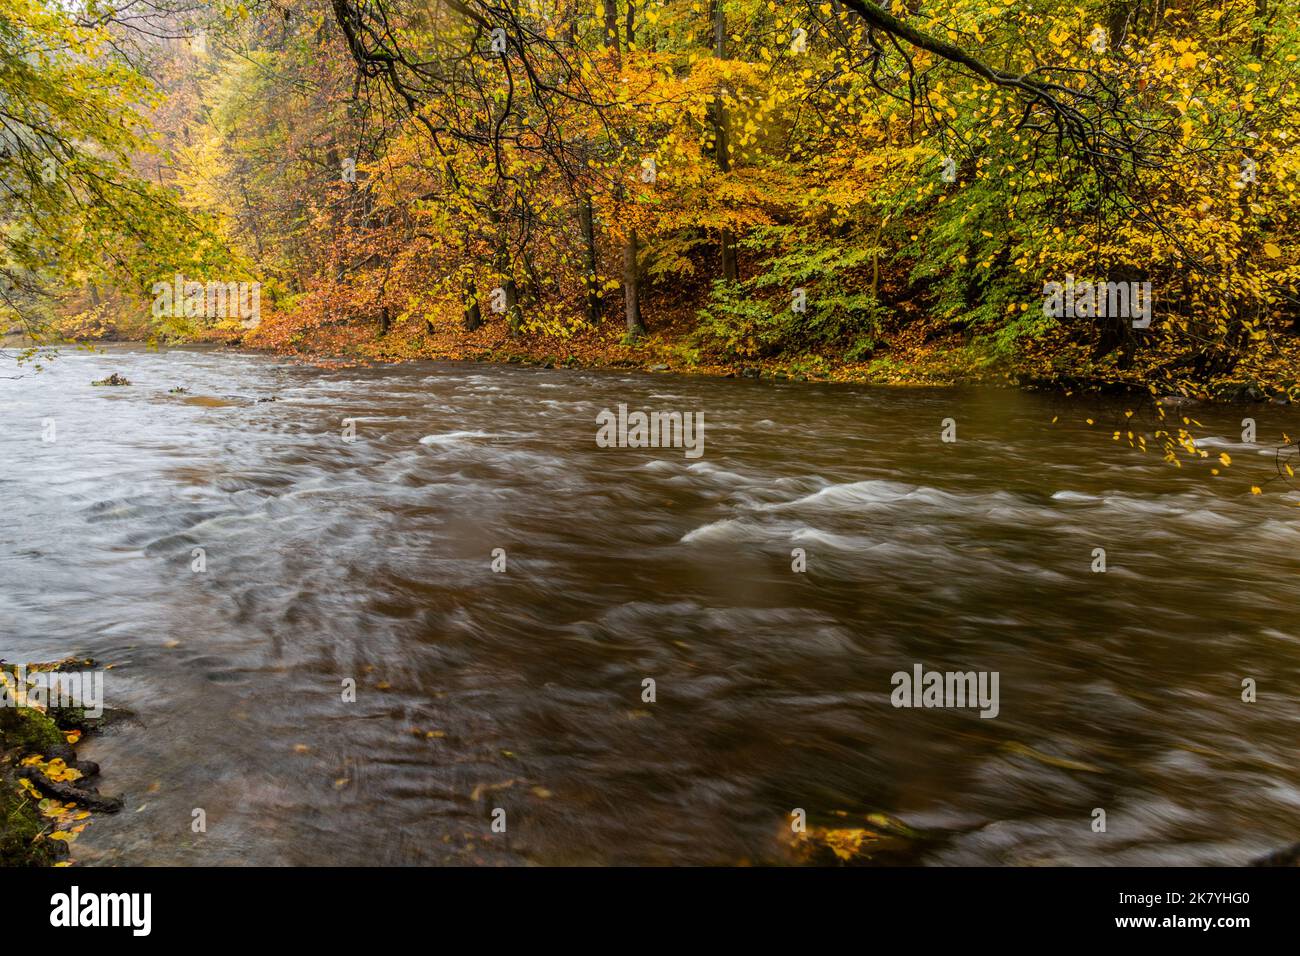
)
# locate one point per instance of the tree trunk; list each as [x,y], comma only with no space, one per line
[1261,14]
[514,314]
[631,279]
[611,24]
[632,287]
[586,217]
[505,268]
[721,144]
[473,314]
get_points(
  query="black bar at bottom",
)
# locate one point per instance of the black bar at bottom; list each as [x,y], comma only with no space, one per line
[368,906]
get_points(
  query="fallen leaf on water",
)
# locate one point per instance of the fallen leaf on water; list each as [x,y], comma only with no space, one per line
[846,844]
[483,788]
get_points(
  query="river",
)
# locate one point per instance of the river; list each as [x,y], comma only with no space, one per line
[328,560]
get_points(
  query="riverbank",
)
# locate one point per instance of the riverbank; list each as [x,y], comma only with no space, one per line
[913,352]
[910,357]
[45,794]
[907,359]
[907,346]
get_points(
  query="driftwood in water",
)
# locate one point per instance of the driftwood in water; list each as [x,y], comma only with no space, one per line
[90,799]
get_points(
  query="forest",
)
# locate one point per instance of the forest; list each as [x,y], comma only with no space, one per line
[896,192]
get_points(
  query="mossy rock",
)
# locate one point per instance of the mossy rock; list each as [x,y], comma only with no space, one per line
[24,731]
[20,830]
[29,731]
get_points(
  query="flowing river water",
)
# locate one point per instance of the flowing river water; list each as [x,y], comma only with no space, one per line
[371,560]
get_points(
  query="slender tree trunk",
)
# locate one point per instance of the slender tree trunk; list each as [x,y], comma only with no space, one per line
[632,287]
[473,314]
[721,143]
[252,221]
[535,289]
[506,270]
[586,218]
[631,274]
[514,317]
[611,24]
[1261,14]
[514,314]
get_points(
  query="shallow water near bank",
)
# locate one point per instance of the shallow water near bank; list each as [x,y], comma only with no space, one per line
[372,560]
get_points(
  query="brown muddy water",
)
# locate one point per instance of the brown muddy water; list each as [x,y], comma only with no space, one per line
[372,560]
